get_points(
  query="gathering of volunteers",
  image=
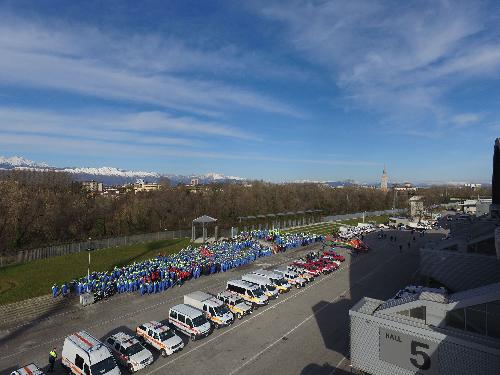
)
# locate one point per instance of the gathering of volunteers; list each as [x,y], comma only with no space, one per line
[284,241]
[165,271]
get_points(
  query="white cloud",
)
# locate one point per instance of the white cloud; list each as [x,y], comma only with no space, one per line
[135,127]
[397,59]
[62,145]
[467,118]
[127,68]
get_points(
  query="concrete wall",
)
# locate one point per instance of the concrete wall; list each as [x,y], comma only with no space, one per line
[452,356]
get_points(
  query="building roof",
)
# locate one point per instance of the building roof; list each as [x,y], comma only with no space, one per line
[416,198]
[204,219]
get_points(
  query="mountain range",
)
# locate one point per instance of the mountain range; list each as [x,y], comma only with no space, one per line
[112,175]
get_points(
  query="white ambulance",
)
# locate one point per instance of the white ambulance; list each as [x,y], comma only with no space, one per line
[129,351]
[248,291]
[160,337]
[83,354]
[30,369]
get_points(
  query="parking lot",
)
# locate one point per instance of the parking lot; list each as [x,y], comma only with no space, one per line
[304,331]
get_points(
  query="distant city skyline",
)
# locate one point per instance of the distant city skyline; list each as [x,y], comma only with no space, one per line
[19,162]
[261,89]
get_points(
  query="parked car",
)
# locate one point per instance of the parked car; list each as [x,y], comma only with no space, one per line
[160,337]
[129,351]
[235,303]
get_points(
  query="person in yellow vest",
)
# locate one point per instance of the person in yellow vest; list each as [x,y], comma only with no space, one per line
[52,359]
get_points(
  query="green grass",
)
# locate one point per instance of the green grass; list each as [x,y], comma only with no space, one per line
[320,228]
[326,228]
[36,278]
[382,219]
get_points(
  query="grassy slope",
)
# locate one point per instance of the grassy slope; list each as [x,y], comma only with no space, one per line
[36,278]
[326,227]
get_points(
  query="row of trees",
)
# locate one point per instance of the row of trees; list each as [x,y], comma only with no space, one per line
[43,208]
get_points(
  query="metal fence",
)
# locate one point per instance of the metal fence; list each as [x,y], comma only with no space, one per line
[359,215]
[24,256]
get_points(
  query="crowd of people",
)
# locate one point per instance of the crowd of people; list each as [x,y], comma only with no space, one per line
[165,271]
[283,241]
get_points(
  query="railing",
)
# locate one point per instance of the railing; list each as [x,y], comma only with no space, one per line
[24,256]
[358,215]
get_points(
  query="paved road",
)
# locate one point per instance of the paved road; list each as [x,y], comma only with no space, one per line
[302,332]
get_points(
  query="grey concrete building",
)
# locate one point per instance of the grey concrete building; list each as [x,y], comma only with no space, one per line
[428,332]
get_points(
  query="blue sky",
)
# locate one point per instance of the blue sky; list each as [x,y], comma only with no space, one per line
[261,89]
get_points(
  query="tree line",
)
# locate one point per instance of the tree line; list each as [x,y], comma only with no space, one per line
[44,208]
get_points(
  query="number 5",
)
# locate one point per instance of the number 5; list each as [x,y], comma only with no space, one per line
[414,350]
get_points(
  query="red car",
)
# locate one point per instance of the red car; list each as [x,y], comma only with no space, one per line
[325,267]
[334,255]
[333,262]
[310,269]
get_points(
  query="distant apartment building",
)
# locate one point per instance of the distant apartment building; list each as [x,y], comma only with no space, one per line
[473,186]
[142,186]
[407,186]
[111,192]
[92,186]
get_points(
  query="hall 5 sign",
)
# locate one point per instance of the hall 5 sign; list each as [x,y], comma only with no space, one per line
[409,352]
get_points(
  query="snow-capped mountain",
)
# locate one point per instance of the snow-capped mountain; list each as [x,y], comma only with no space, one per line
[112,175]
[110,171]
[17,161]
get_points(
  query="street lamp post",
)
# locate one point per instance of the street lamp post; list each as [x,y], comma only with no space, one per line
[89,250]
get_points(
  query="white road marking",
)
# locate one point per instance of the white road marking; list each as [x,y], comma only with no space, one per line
[254,316]
[308,317]
[338,365]
[121,317]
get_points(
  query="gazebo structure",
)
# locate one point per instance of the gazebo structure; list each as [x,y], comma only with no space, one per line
[204,221]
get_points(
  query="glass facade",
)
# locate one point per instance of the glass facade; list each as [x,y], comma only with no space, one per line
[483,319]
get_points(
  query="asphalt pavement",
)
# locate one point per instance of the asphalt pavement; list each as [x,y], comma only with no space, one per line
[304,331]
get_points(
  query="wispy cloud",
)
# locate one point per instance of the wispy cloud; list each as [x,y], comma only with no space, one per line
[126,68]
[467,118]
[396,59]
[65,145]
[152,127]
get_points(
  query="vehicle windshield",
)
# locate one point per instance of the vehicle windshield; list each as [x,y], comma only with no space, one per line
[199,321]
[257,293]
[165,335]
[134,349]
[221,310]
[238,301]
[279,282]
[270,288]
[103,367]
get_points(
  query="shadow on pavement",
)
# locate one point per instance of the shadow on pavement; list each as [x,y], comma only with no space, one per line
[333,318]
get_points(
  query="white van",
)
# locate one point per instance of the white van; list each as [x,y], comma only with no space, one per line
[292,277]
[84,354]
[30,369]
[277,280]
[249,292]
[266,286]
[190,321]
[214,310]
[129,351]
